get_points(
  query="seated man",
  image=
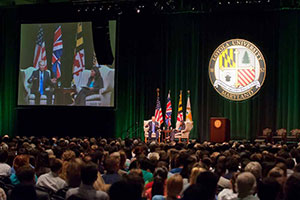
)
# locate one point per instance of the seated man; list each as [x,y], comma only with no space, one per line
[153,128]
[41,83]
[89,174]
[178,130]
[51,180]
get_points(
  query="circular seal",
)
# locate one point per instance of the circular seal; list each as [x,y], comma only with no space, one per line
[218,123]
[237,69]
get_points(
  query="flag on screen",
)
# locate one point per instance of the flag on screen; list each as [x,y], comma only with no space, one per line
[40,51]
[158,111]
[57,53]
[188,116]
[168,111]
[79,63]
[180,110]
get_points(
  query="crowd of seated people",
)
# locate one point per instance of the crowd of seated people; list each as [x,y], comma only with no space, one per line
[58,168]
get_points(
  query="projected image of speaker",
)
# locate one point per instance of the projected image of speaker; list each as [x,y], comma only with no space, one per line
[68,64]
[219,129]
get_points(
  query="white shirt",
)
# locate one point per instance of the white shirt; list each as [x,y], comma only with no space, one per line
[227,194]
[5,169]
[51,181]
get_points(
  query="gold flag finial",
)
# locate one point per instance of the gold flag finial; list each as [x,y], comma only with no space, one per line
[157,90]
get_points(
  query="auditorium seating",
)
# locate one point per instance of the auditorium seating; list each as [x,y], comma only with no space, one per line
[280,135]
[294,135]
[266,136]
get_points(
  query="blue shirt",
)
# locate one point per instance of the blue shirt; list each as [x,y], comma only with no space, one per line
[91,84]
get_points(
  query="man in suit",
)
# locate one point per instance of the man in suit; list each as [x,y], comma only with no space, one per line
[41,83]
[178,130]
[153,128]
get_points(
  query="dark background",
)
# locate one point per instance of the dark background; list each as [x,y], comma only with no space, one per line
[166,51]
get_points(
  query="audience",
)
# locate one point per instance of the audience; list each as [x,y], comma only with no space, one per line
[96,168]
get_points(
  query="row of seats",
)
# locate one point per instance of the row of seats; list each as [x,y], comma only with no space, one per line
[280,135]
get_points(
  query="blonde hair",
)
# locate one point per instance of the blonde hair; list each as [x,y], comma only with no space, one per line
[194,174]
[174,185]
[255,168]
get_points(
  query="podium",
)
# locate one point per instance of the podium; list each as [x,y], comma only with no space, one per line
[219,129]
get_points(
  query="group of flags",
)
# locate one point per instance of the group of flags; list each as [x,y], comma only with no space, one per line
[168,116]
[40,52]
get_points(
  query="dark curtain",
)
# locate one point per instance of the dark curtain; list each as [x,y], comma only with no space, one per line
[8,74]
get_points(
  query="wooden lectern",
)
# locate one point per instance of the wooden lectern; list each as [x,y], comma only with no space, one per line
[219,129]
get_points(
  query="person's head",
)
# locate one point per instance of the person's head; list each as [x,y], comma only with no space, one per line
[42,65]
[3,156]
[277,173]
[174,186]
[56,165]
[194,174]
[255,168]
[292,187]
[68,155]
[25,175]
[95,72]
[73,173]
[112,164]
[89,173]
[125,188]
[290,163]
[153,118]
[245,184]
[207,181]
[232,164]
[19,161]
[268,189]
[42,160]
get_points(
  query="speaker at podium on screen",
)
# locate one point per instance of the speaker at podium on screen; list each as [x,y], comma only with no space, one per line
[219,129]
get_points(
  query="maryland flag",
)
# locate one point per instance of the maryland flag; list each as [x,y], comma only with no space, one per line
[188,116]
[180,110]
[227,59]
[79,62]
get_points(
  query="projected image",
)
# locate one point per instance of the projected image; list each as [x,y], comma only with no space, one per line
[69,64]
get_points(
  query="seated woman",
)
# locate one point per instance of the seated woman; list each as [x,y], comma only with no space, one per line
[95,83]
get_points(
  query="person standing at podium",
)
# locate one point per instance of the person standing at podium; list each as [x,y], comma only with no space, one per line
[153,128]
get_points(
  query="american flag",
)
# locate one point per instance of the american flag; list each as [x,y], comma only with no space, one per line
[180,110]
[168,111]
[57,52]
[158,112]
[246,76]
[40,51]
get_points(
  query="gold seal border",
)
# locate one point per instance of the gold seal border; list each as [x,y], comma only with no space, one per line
[224,46]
